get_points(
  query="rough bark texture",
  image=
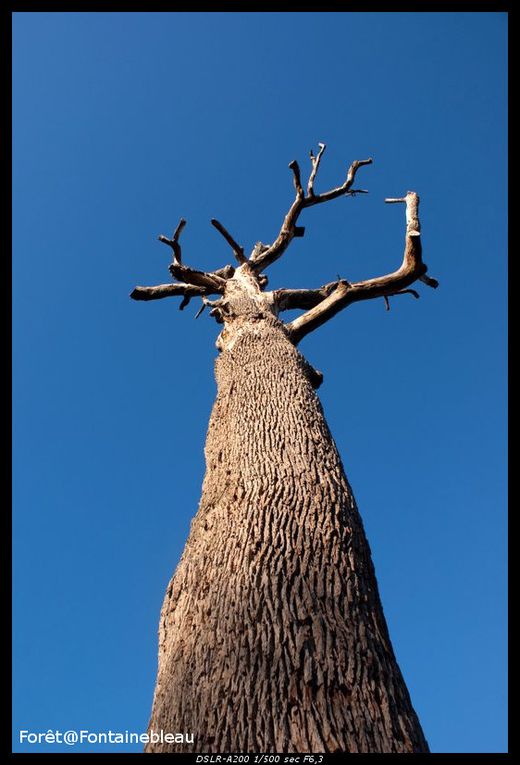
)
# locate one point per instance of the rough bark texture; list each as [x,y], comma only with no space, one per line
[272,635]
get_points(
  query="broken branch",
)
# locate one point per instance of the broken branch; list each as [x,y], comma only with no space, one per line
[315,161]
[297,179]
[433,283]
[166,290]
[411,269]
[201,309]
[237,249]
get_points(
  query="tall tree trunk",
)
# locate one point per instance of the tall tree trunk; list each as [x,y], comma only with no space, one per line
[272,634]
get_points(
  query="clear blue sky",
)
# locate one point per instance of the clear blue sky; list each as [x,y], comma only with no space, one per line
[123,123]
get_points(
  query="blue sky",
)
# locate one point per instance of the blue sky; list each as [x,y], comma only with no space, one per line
[123,123]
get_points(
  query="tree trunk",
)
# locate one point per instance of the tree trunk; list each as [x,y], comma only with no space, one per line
[272,634]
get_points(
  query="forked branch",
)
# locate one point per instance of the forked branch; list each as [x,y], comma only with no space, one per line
[192,283]
[319,304]
[289,229]
[174,241]
[211,282]
[345,293]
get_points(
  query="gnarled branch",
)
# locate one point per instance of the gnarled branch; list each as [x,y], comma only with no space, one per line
[192,283]
[213,281]
[286,300]
[167,290]
[174,241]
[345,293]
[289,229]
[207,279]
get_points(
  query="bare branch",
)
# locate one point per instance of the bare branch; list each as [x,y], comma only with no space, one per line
[212,303]
[297,179]
[209,280]
[401,292]
[201,309]
[289,228]
[192,283]
[315,160]
[178,230]
[166,290]
[213,281]
[412,268]
[218,308]
[433,283]
[237,249]
[174,242]
[405,292]
[287,300]
[226,272]
[345,188]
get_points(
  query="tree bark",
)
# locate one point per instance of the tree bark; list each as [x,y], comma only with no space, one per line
[272,635]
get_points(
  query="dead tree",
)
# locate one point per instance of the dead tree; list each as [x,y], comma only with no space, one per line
[272,636]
